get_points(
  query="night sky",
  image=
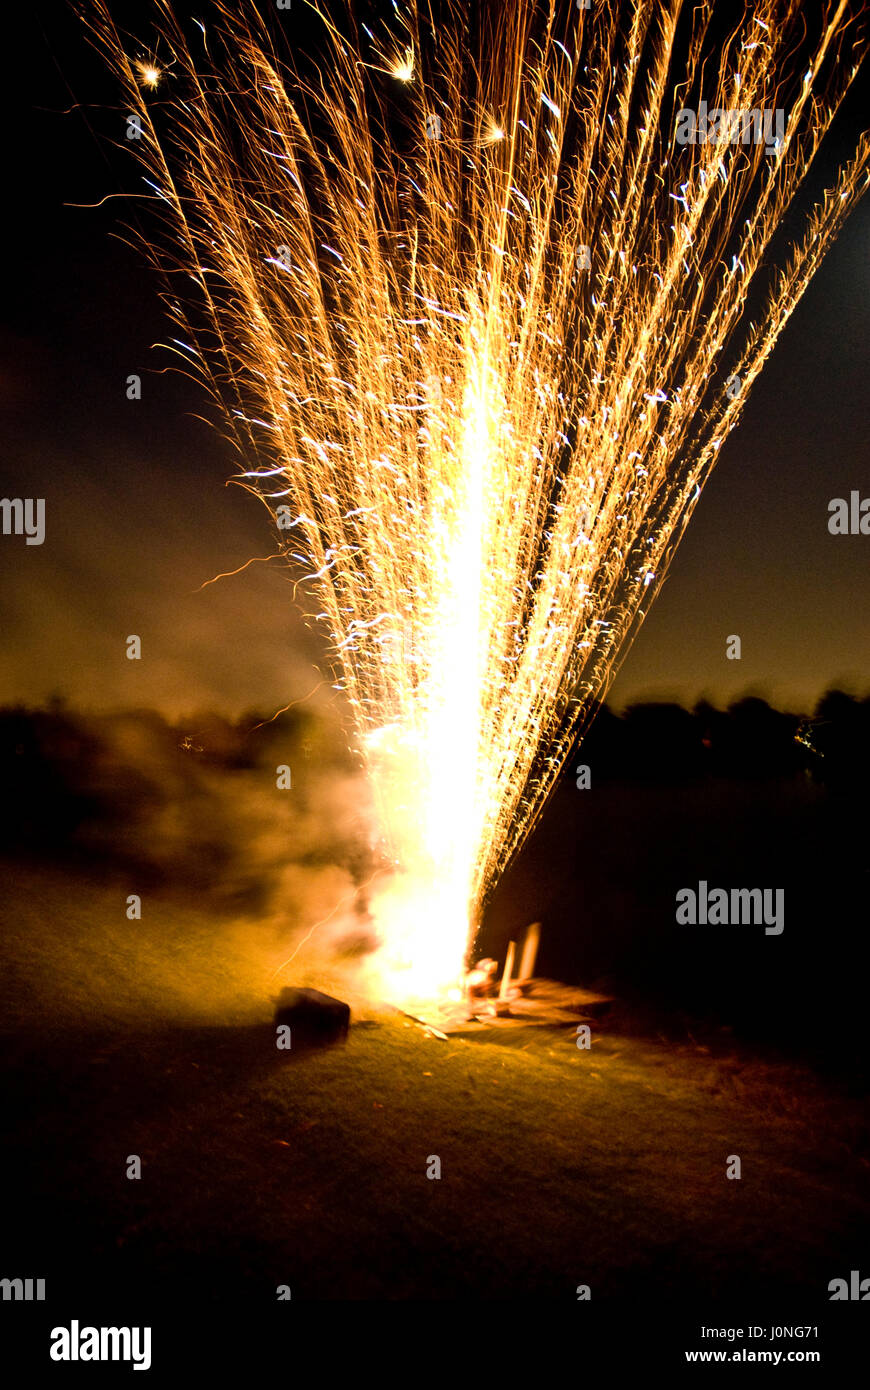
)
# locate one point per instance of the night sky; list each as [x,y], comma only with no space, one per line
[138,517]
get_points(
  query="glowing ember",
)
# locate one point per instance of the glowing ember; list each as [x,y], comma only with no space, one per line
[149,75]
[403,67]
[482,366]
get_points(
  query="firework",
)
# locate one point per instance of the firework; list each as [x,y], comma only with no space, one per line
[481,325]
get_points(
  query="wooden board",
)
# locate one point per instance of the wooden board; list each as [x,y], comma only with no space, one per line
[548,1004]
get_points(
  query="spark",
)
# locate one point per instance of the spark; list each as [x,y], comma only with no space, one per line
[149,74]
[403,66]
[479,451]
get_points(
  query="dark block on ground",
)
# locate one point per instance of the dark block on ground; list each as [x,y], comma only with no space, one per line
[314,1019]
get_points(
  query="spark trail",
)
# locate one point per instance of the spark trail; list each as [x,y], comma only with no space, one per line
[472,312]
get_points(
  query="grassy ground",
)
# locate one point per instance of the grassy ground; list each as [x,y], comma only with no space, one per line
[559,1167]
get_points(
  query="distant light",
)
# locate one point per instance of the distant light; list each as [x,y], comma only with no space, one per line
[403,68]
[149,74]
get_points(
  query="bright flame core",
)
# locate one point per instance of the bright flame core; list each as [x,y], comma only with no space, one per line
[403,67]
[149,74]
[426,774]
[484,368]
